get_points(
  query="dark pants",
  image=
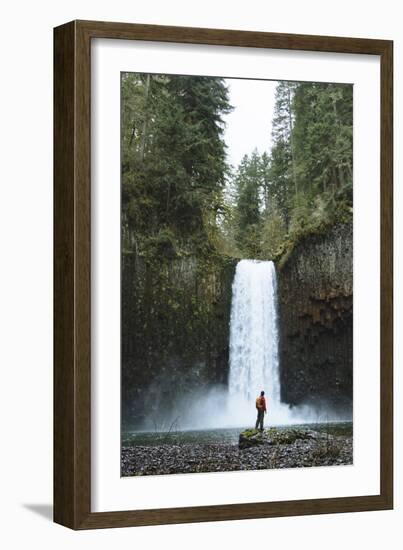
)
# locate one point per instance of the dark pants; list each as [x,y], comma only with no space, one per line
[260,418]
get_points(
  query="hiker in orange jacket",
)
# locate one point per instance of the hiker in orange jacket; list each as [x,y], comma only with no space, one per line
[261,410]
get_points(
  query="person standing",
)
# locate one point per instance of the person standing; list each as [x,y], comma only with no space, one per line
[261,410]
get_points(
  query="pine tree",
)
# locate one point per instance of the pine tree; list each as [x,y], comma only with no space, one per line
[311,157]
[173,159]
[323,135]
[283,173]
[248,190]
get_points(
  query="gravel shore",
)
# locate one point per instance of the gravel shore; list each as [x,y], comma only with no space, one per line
[189,458]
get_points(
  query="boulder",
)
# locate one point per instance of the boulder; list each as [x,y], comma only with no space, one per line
[278,436]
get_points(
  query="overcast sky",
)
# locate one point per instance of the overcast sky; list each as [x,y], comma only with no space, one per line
[249,124]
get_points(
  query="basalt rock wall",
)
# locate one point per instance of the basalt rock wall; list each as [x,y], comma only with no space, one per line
[175,332]
[316,320]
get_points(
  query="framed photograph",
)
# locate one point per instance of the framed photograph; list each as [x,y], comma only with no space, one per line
[222,275]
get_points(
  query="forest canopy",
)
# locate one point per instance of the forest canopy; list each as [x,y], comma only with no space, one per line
[179,194]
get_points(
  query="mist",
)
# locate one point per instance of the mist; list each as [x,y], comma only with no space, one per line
[214,408]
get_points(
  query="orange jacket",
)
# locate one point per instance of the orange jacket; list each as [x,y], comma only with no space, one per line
[261,403]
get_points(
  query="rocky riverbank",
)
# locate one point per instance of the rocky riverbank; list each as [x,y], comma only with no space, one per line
[272,449]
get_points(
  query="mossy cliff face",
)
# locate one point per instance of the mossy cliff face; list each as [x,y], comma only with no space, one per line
[315,287]
[175,331]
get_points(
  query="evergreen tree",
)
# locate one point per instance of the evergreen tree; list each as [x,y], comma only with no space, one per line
[323,136]
[248,203]
[173,159]
[311,157]
[283,174]
[265,179]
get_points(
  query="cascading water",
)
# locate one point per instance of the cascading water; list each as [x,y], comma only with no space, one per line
[253,357]
[254,363]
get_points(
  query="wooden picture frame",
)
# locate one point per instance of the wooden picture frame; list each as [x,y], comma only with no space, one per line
[72,269]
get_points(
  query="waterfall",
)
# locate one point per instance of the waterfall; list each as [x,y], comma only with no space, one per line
[254,339]
[253,360]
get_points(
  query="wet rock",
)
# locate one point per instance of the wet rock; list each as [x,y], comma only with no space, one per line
[307,449]
[175,331]
[315,296]
[273,436]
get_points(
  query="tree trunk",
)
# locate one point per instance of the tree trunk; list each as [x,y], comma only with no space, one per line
[294,175]
[145,123]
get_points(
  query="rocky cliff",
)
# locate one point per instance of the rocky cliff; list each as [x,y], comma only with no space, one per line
[175,332]
[316,320]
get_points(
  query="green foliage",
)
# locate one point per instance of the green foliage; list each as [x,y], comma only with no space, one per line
[273,234]
[305,184]
[179,195]
[323,135]
[173,160]
[248,198]
[249,433]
